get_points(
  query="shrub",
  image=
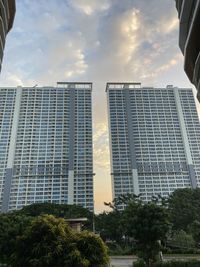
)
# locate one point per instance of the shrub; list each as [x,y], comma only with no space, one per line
[191,263]
[182,240]
[93,249]
[139,263]
[116,249]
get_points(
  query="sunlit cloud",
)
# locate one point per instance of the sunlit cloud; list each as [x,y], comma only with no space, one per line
[101,146]
[172,26]
[13,80]
[88,7]
[122,40]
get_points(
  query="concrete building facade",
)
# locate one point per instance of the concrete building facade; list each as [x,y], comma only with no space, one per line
[7,14]
[46,145]
[189,41]
[154,139]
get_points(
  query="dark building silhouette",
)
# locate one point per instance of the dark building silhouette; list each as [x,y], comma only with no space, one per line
[189,38]
[7,14]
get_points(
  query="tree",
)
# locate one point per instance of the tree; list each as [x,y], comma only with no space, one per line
[12,225]
[184,207]
[49,241]
[108,225]
[44,244]
[93,249]
[147,224]
[59,210]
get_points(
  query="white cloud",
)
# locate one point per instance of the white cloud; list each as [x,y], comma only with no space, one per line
[123,41]
[13,80]
[101,146]
[171,26]
[88,7]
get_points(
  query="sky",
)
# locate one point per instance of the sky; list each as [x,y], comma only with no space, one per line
[95,41]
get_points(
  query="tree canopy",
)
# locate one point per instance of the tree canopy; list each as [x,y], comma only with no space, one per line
[15,224]
[60,211]
[49,241]
[184,207]
[147,224]
[12,225]
[39,233]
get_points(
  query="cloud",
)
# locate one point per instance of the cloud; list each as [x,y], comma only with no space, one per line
[89,7]
[44,47]
[90,40]
[14,79]
[101,146]
[135,41]
[171,26]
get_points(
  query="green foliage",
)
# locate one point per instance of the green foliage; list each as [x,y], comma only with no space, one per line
[191,263]
[124,199]
[60,211]
[12,225]
[108,225]
[46,243]
[184,207]
[182,210]
[93,249]
[139,226]
[146,223]
[139,263]
[182,240]
[117,249]
[49,241]
[194,229]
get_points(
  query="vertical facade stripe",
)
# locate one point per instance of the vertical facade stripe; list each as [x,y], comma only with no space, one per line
[110,145]
[13,138]
[71,147]
[185,139]
[131,142]
[11,153]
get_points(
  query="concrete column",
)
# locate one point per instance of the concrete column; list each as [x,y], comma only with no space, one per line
[185,139]
[110,145]
[131,143]
[11,152]
[71,148]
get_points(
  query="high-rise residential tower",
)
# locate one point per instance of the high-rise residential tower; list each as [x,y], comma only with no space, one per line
[46,145]
[7,14]
[189,41]
[154,139]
